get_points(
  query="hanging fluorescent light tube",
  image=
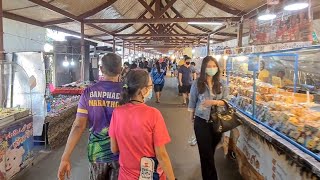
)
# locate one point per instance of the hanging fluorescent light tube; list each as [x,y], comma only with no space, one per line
[297,5]
[148,48]
[267,17]
[206,23]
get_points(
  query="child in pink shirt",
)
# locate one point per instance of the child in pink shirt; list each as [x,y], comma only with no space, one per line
[139,131]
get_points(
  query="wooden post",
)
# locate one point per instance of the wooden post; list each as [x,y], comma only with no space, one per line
[1,33]
[208,45]
[82,53]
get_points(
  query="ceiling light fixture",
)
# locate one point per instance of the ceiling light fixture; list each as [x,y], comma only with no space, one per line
[298,5]
[148,48]
[267,16]
[206,23]
[65,62]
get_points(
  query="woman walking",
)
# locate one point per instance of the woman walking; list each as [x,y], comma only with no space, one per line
[158,75]
[206,92]
[139,132]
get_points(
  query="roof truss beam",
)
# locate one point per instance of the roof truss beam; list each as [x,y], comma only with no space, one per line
[97,9]
[165,9]
[148,7]
[59,21]
[21,19]
[161,35]
[224,7]
[163,20]
[55,9]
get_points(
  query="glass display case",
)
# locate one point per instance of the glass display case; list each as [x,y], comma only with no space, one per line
[281,92]
[15,95]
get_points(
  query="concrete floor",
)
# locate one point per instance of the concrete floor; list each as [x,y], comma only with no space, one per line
[184,158]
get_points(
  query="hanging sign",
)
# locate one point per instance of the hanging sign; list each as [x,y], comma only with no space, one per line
[285,28]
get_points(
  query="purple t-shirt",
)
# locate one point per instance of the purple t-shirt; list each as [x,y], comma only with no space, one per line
[97,104]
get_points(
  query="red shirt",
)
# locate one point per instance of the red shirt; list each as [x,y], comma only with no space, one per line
[137,128]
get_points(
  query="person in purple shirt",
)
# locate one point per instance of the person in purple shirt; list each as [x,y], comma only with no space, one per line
[95,109]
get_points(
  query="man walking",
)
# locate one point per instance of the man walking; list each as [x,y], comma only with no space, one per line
[186,75]
[95,108]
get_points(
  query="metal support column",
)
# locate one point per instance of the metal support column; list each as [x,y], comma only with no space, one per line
[114,45]
[240,34]
[1,33]
[134,50]
[208,45]
[123,43]
[82,52]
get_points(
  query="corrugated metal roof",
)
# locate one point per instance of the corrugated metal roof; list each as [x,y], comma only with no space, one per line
[77,7]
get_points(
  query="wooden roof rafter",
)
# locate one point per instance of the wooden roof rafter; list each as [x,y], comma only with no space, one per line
[148,7]
[162,20]
[225,7]
[97,9]
[181,16]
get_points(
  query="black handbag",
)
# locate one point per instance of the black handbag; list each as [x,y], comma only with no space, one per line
[224,121]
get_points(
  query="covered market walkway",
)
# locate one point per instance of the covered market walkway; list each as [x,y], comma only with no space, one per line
[185,158]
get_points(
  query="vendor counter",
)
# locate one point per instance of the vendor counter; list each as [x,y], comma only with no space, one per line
[16,146]
[59,126]
[264,155]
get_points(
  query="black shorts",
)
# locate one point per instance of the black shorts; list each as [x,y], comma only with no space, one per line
[158,87]
[185,89]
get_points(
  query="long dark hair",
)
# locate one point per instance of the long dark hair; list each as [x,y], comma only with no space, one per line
[158,67]
[202,81]
[135,80]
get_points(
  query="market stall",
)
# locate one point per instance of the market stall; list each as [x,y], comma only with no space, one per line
[276,95]
[16,120]
[62,113]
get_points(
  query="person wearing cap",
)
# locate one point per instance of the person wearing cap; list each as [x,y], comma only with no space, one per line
[186,74]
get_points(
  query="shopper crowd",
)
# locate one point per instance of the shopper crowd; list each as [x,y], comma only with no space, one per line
[127,138]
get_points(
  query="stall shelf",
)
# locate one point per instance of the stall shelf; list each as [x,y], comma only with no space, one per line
[278,91]
[16,120]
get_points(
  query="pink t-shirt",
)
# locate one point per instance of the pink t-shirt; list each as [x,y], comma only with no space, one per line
[137,128]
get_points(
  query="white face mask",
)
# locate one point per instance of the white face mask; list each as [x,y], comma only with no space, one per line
[211,71]
[148,97]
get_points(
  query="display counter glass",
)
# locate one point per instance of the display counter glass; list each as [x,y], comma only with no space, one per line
[280,91]
[15,96]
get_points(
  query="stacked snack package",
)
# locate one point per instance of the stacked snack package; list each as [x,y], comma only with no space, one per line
[61,103]
[287,112]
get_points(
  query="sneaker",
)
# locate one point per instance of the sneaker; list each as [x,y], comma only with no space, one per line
[193,142]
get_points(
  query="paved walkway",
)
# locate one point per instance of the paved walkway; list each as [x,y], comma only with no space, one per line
[185,159]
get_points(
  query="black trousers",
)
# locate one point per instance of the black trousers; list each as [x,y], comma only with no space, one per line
[104,171]
[207,141]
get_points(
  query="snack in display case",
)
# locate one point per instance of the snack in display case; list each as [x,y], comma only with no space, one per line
[286,104]
[16,98]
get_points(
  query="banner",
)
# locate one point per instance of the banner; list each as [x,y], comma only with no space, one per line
[285,28]
[258,159]
[16,147]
